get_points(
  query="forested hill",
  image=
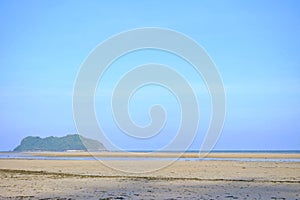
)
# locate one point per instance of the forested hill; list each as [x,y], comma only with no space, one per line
[69,142]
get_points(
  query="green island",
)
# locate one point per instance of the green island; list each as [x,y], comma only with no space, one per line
[73,142]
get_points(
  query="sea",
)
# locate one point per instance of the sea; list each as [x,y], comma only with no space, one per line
[28,156]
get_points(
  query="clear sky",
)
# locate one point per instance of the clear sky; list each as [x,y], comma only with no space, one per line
[254,44]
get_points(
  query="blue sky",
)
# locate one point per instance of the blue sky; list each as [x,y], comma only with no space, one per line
[254,44]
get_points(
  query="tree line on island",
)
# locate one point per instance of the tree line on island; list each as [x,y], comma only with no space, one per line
[72,142]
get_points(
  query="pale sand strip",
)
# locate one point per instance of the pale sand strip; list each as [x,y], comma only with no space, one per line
[169,155]
[34,179]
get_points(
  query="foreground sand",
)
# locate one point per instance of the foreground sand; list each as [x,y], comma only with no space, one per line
[61,179]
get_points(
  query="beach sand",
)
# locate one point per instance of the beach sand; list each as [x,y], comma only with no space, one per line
[91,179]
[168,154]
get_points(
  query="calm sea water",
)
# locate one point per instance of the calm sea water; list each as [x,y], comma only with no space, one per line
[12,155]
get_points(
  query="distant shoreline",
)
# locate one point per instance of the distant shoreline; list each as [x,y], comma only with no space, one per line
[189,151]
[171,155]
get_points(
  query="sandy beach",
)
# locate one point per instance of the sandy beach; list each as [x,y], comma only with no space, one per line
[168,154]
[91,179]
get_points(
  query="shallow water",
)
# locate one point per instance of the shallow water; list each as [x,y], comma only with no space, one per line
[31,157]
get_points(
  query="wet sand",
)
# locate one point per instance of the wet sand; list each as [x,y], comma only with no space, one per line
[73,179]
[169,154]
